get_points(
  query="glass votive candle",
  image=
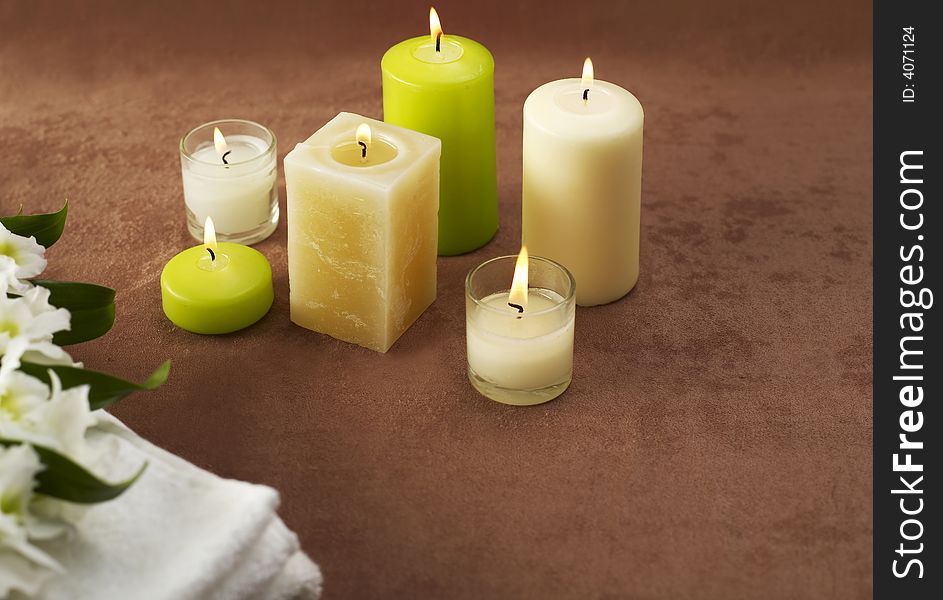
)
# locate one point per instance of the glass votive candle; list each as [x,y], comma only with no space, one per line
[520,355]
[229,173]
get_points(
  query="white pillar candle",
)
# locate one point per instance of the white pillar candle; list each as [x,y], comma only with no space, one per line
[229,174]
[582,182]
[363,201]
[520,339]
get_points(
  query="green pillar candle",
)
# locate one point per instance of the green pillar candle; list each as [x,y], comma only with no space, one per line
[443,86]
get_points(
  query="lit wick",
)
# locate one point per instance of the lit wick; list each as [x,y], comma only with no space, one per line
[364,137]
[517,297]
[222,148]
[435,29]
[209,238]
[587,80]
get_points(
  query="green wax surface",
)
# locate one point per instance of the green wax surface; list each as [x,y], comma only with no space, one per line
[204,297]
[453,100]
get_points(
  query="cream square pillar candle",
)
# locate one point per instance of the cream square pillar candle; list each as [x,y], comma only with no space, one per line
[363,201]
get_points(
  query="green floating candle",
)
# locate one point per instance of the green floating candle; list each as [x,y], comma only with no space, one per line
[443,86]
[216,287]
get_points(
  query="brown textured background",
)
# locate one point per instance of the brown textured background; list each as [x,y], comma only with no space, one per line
[715,442]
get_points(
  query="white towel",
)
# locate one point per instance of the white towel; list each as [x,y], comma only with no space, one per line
[178,533]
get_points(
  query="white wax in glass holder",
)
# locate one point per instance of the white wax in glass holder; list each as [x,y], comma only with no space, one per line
[236,187]
[514,357]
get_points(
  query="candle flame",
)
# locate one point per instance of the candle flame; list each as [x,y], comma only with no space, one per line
[435,25]
[364,134]
[209,235]
[518,293]
[364,139]
[586,82]
[220,142]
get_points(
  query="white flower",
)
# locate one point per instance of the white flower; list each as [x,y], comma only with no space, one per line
[19,393]
[18,467]
[23,566]
[32,412]
[61,422]
[20,258]
[57,419]
[8,279]
[58,423]
[27,324]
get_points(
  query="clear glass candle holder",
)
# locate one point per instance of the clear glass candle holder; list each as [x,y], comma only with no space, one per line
[520,358]
[232,180]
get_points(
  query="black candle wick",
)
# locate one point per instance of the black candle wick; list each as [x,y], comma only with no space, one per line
[363,149]
[586,94]
[438,42]
[212,254]
[225,154]
[519,308]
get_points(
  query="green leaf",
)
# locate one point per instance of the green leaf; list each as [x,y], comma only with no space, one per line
[92,307]
[45,227]
[104,389]
[87,325]
[67,480]
[74,295]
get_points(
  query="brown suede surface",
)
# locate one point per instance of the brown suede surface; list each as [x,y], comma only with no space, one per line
[715,442]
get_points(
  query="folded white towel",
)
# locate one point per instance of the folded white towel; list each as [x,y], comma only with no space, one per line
[179,533]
